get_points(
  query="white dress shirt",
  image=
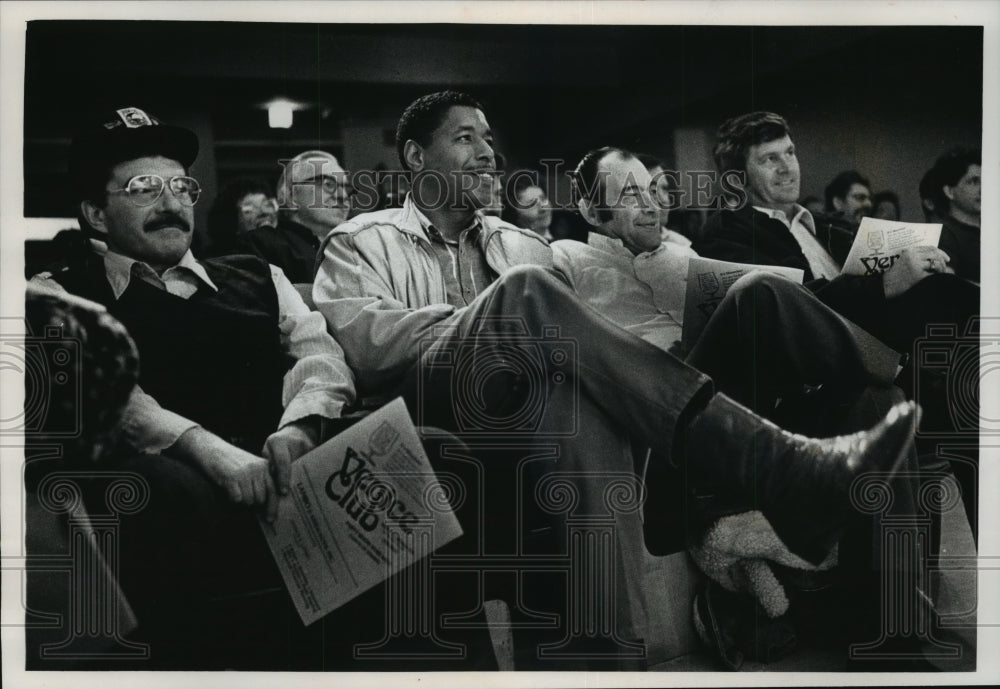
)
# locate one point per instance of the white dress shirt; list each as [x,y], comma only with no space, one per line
[643,294]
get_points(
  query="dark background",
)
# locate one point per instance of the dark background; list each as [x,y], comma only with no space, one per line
[886,100]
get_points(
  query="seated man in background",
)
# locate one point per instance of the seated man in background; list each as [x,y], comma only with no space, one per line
[849,196]
[238,378]
[957,194]
[313,198]
[417,294]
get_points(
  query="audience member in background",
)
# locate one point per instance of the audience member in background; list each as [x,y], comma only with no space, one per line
[313,198]
[242,206]
[928,191]
[567,224]
[813,204]
[885,206]
[958,195]
[529,208]
[663,198]
[773,229]
[849,196]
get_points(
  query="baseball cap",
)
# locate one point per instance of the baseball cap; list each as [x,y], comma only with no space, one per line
[124,134]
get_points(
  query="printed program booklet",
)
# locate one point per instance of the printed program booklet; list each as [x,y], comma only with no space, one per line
[879,243]
[361,507]
[708,280]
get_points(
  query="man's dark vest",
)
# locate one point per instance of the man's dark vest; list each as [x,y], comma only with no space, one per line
[215,358]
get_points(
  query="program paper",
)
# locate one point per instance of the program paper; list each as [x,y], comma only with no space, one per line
[361,507]
[708,280]
[879,244]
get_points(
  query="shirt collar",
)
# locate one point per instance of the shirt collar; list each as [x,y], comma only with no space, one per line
[428,228]
[802,215]
[120,268]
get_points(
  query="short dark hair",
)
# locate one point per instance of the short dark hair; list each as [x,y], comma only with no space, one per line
[589,185]
[841,184]
[886,197]
[650,161]
[424,115]
[948,169]
[736,135]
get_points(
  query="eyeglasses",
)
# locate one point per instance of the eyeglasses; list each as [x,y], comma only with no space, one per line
[144,190]
[250,209]
[329,184]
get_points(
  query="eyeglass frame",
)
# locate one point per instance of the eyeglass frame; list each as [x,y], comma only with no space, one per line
[322,180]
[248,210]
[164,184]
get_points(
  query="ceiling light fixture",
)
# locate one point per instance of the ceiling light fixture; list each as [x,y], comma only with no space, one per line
[280,114]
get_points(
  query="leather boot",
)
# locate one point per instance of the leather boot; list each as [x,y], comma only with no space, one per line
[738,461]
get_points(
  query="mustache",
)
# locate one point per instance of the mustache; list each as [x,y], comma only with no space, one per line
[167,220]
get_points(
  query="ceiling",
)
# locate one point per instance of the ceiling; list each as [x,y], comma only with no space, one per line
[549,90]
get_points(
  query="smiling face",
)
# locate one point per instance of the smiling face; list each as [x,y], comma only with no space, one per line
[461,150]
[773,174]
[159,234]
[633,217]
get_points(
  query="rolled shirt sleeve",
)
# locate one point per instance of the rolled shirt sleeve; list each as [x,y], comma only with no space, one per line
[149,428]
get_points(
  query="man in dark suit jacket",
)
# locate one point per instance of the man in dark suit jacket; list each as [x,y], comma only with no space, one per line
[771,228]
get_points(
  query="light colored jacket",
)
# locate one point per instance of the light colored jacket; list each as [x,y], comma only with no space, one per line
[381,289]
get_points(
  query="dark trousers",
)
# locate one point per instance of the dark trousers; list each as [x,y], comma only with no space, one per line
[207,594]
[770,337]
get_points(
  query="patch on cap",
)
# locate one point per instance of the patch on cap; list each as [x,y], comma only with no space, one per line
[133,118]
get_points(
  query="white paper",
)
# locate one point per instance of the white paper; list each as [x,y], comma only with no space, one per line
[708,280]
[361,507]
[880,242]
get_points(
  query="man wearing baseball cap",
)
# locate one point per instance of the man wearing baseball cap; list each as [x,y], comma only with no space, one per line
[238,377]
